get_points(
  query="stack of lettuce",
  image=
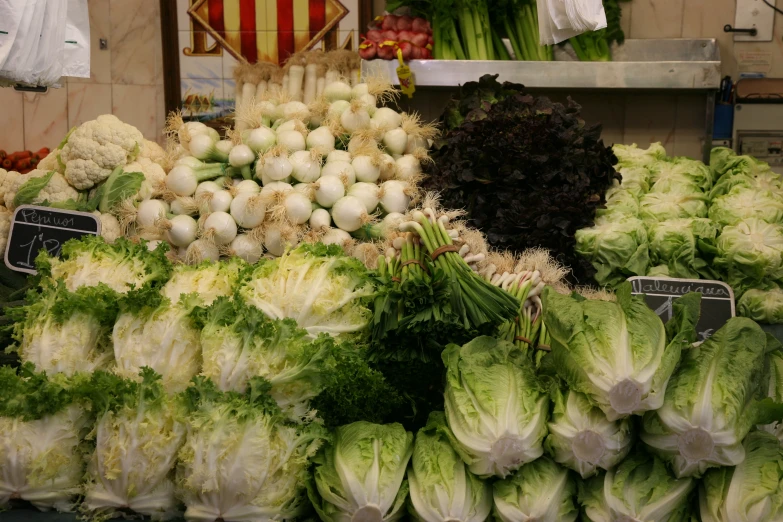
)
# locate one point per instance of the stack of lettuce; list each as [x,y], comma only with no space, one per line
[236,392]
[676,217]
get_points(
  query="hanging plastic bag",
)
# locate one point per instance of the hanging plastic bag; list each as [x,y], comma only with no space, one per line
[10,17]
[586,15]
[48,65]
[17,66]
[559,20]
[76,59]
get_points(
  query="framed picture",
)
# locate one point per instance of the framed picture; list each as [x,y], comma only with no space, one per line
[203,40]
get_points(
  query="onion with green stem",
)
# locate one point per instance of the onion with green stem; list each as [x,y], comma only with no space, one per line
[241,158]
[183,180]
[261,139]
[203,148]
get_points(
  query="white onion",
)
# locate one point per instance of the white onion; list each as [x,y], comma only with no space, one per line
[247,185]
[298,207]
[337,91]
[246,248]
[335,236]
[359,90]
[321,139]
[261,139]
[276,168]
[320,218]
[415,143]
[222,227]
[292,140]
[366,169]
[395,141]
[339,155]
[349,213]
[386,118]
[408,167]
[182,231]
[224,146]
[388,167]
[368,193]
[328,189]
[220,201]
[202,250]
[355,118]
[306,168]
[149,211]
[340,169]
[248,209]
[393,197]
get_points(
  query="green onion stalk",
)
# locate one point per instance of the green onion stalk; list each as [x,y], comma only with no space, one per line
[591,47]
[473,300]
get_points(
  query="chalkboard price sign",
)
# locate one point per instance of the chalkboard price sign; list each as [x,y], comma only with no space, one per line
[34,228]
[717,299]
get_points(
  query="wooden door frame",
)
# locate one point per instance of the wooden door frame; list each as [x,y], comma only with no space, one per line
[170,39]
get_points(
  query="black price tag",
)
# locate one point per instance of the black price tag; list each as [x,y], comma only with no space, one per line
[34,228]
[717,299]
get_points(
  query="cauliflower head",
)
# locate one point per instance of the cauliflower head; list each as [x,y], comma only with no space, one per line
[153,152]
[110,227]
[96,147]
[56,190]
[5,227]
[154,177]
[50,162]
[7,182]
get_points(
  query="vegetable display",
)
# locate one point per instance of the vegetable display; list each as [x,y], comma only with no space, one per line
[676,217]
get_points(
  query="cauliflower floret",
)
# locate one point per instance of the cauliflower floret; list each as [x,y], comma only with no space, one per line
[50,162]
[154,176]
[5,227]
[96,147]
[110,227]
[153,151]
[7,182]
[56,191]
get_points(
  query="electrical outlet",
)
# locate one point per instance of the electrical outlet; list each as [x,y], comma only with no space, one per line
[754,14]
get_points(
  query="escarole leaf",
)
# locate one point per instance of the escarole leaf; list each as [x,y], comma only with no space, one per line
[118,187]
[31,188]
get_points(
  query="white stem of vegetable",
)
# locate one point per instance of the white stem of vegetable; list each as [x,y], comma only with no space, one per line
[249,92]
[319,87]
[310,83]
[296,75]
[261,89]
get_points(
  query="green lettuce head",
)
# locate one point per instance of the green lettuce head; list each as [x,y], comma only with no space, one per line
[641,488]
[725,162]
[680,203]
[441,486]
[540,490]
[619,202]
[617,353]
[582,438]
[360,475]
[749,253]
[495,407]
[633,156]
[752,491]
[742,203]
[769,181]
[636,180]
[763,306]
[674,243]
[680,172]
[616,249]
[711,402]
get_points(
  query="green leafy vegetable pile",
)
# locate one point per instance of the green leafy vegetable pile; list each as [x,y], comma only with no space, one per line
[529,172]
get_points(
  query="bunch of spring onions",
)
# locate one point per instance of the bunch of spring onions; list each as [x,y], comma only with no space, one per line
[339,170]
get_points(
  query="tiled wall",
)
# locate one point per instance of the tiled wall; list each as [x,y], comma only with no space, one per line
[126,80]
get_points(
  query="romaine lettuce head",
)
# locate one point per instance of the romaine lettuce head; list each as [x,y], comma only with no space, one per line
[749,253]
[619,202]
[680,172]
[752,491]
[617,353]
[360,475]
[617,249]
[763,306]
[121,265]
[636,180]
[140,428]
[238,342]
[684,202]
[67,332]
[772,387]
[674,243]
[241,459]
[710,403]
[633,156]
[321,288]
[495,406]
[441,487]
[540,490]
[42,425]
[770,181]
[640,488]
[743,203]
[582,438]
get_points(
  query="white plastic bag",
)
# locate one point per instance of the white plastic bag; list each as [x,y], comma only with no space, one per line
[76,59]
[48,65]
[559,20]
[10,17]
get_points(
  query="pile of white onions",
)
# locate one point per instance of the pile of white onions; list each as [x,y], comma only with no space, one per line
[312,158]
